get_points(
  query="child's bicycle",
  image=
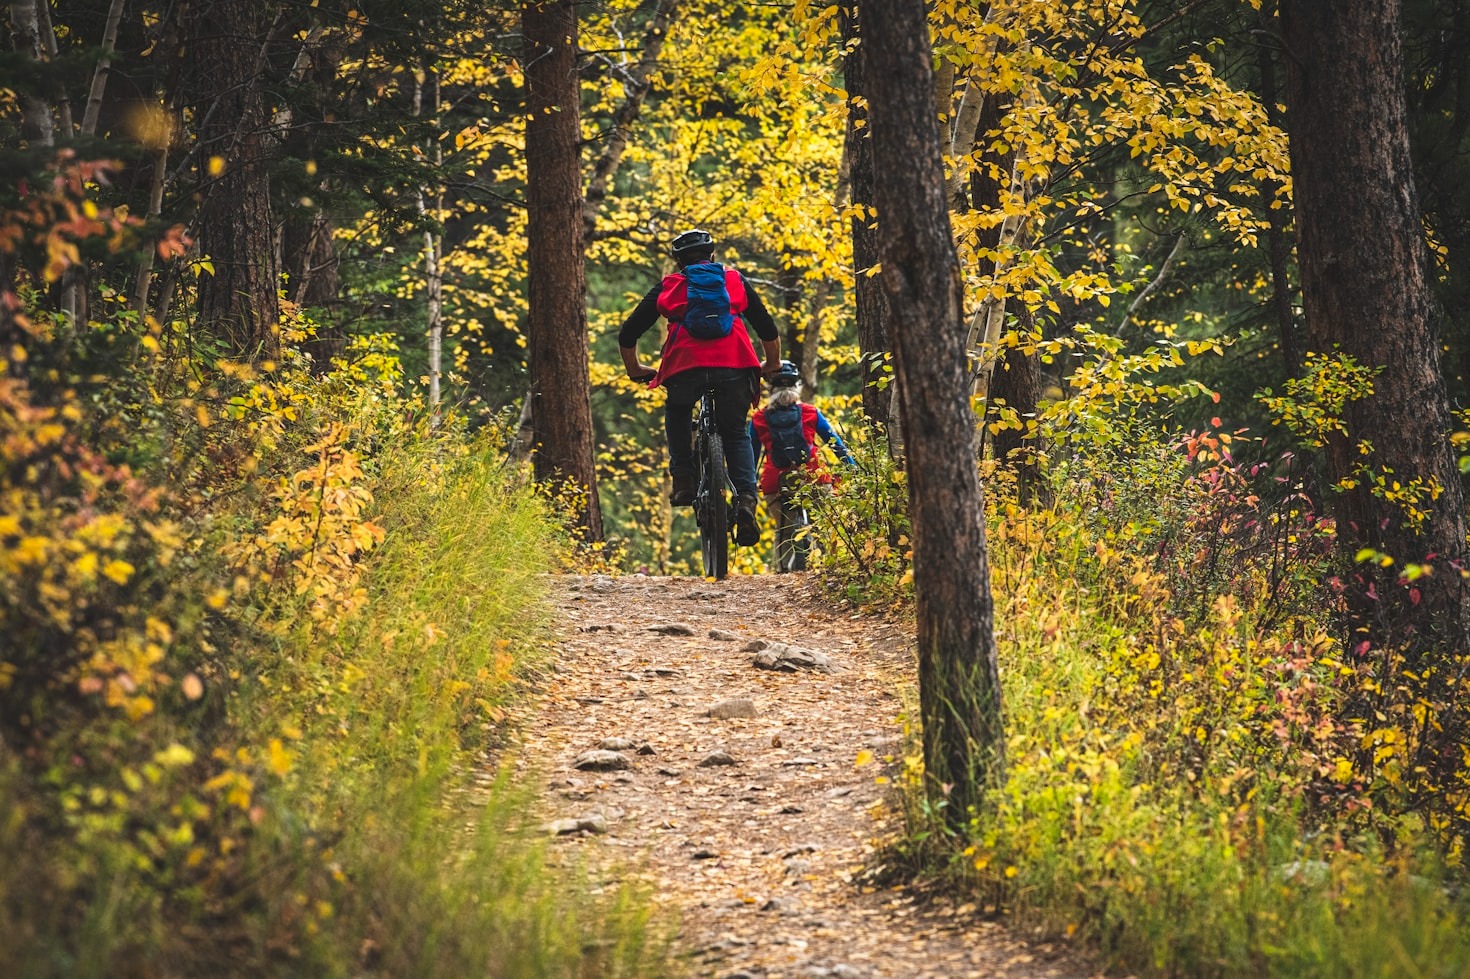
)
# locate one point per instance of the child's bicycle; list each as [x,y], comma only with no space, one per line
[714,501]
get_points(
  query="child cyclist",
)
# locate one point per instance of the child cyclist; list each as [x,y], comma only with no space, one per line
[784,434]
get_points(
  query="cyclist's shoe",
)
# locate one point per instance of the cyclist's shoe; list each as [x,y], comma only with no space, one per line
[747,532]
[686,485]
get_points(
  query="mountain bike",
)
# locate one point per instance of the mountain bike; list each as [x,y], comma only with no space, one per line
[793,524]
[714,501]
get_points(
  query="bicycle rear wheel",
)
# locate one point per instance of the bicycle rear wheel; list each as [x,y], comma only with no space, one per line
[713,507]
[791,541]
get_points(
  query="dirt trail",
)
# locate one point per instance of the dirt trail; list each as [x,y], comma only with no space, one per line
[759,857]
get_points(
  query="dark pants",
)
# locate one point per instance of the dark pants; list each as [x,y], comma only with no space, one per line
[733,387]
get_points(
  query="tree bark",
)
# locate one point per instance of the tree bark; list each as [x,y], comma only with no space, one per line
[237,303]
[1006,375]
[310,260]
[1016,384]
[557,319]
[1278,242]
[989,192]
[874,345]
[1366,291]
[104,67]
[959,683]
[36,127]
[811,337]
[48,35]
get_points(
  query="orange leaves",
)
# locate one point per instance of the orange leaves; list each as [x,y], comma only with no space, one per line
[48,223]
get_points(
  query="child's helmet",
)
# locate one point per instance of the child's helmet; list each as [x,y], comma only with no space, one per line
[787,376]
[696,240]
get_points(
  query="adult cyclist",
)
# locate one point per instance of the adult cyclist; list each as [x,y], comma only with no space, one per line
[691,365]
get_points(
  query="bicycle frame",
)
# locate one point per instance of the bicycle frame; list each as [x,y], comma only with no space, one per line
[713,501]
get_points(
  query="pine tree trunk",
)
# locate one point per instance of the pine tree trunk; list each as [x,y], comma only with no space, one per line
[1017,385]
[1365,287]
[959,685]
[310,261]
[237,303]
[1278,241]
[874,345]
[561,410]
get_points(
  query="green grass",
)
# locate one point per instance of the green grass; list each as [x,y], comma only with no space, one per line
[1169,803]
[404,705]
[378,834]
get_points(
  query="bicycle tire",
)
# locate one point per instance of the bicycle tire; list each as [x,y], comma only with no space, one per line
[791,547]
[714,507]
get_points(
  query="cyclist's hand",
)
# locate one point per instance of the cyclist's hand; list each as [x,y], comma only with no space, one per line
[770,368]
[641,373]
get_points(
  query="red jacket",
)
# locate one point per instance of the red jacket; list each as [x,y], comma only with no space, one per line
[681,352]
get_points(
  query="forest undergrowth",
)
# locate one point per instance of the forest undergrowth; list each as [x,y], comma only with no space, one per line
[246,677]
[1204,775]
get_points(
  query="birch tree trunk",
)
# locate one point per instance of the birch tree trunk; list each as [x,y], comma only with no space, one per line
[104,66]
[36,127]
[433,276]
[48,36]
[959,681]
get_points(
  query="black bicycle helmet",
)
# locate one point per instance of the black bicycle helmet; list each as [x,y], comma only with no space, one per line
[787,376]
[696,240]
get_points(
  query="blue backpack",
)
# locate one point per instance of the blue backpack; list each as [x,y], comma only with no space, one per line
[709,316]
[789,447]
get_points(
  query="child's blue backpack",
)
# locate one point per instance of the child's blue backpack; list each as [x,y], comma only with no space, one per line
[789,447]
[709,316]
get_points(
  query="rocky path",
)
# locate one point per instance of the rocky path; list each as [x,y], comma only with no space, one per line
[728,776]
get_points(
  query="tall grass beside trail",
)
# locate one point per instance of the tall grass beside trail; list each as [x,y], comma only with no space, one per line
[1192,789]
[261,633]
[396,712]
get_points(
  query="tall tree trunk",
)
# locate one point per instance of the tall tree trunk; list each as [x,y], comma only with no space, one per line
[75,295]
[433,255]
[310,261]
[36,127]
[811,337]
[988,324]
[1016,384]
[874,346]
[104,67]
[1008,376]
[48,37]
[237,303]
[1278,242]
[156,139]
[561,394]
[1364,269]
[959,683]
